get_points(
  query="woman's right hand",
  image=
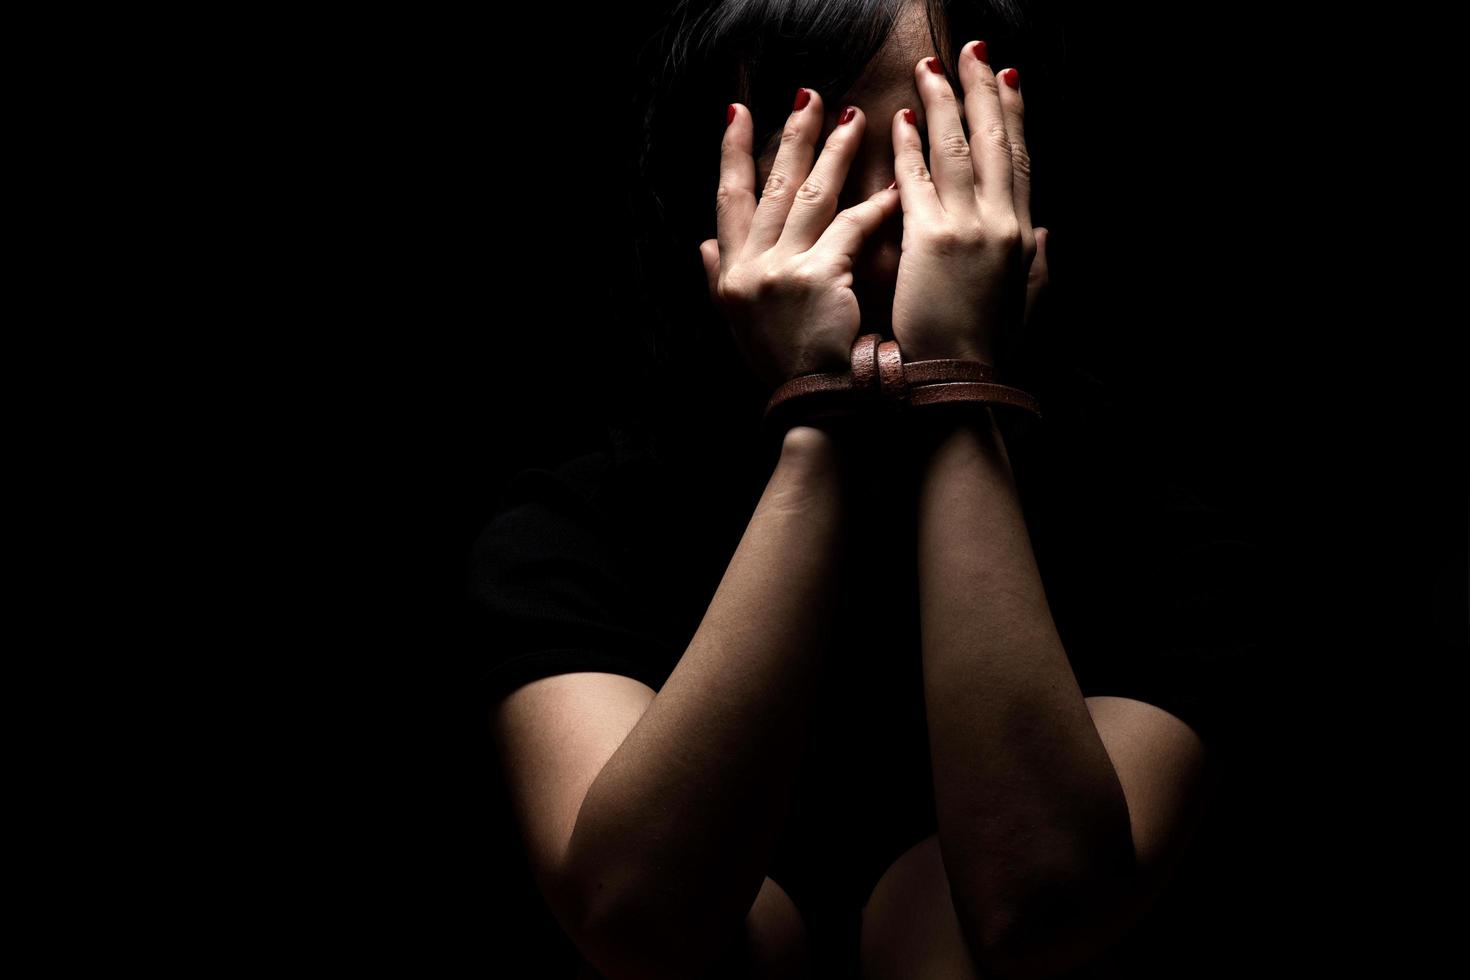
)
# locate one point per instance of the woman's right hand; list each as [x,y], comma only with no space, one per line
[780,269]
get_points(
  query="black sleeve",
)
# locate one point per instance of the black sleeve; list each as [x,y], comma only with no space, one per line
[1187,614]
[1165,595]
[549,591]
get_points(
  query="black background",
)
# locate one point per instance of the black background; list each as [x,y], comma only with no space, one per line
[1234,226]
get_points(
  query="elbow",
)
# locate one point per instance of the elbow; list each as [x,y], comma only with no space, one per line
[1064,925]
[625,933]
[1030,950]
[595,900]
[635,945]
[1014,957]
[602,919]
[618,952]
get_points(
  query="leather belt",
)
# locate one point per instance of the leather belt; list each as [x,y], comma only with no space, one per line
[880,380]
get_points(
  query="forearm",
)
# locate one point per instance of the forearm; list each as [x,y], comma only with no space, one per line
[675,834]
[1033,823]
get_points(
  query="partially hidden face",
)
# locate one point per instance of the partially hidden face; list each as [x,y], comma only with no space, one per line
[885,88]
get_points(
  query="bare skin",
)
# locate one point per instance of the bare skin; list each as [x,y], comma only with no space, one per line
[678,889]
[1082,806]
[885,88]
[651,817]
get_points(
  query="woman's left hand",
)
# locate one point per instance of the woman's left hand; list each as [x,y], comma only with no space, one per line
[972,267]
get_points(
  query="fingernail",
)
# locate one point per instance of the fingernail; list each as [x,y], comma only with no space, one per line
[1012,77]
[908,117]
[892,185]
[802,98]
[846,116]
[981,52]
[934,65]
[729,113]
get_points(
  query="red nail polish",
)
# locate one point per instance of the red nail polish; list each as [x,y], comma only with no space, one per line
[908,117]
[981,52]
[729,113]
[846,116]
[934,65]
[1012,77]
[802,98]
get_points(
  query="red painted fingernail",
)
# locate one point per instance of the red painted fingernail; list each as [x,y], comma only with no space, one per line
[802,98]
[846,116]
[981,52]
[1012,77]
[908,117]
[934,65]
[729,113]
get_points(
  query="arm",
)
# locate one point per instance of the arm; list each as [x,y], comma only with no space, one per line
[672,840]
[1048,859]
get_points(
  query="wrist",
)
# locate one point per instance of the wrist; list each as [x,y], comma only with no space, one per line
[820,361]
[821,437]
[826,439]
[808,441]
[929,428]
[812,456]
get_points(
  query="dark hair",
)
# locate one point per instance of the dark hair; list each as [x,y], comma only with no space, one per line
[757,52]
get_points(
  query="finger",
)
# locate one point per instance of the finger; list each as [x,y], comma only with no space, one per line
[792,164]
[1040,266]
[709,254]
[1038,277]
[990,149]
[1013,109]
[735,199]
[915,186]
[852,227]
[949,147]
[816,201]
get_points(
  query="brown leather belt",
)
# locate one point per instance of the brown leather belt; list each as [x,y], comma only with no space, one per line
[880,380]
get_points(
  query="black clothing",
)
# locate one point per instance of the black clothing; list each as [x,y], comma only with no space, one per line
[609,561]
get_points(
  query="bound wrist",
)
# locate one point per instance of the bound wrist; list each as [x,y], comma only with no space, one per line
[927,428]
[807,439]
[828,434]
[826,438]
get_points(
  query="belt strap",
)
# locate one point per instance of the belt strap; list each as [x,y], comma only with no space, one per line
[880,380]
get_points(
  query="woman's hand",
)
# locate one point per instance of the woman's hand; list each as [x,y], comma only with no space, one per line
[972,267]
[781,269]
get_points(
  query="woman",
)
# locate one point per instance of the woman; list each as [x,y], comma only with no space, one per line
[878,700]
